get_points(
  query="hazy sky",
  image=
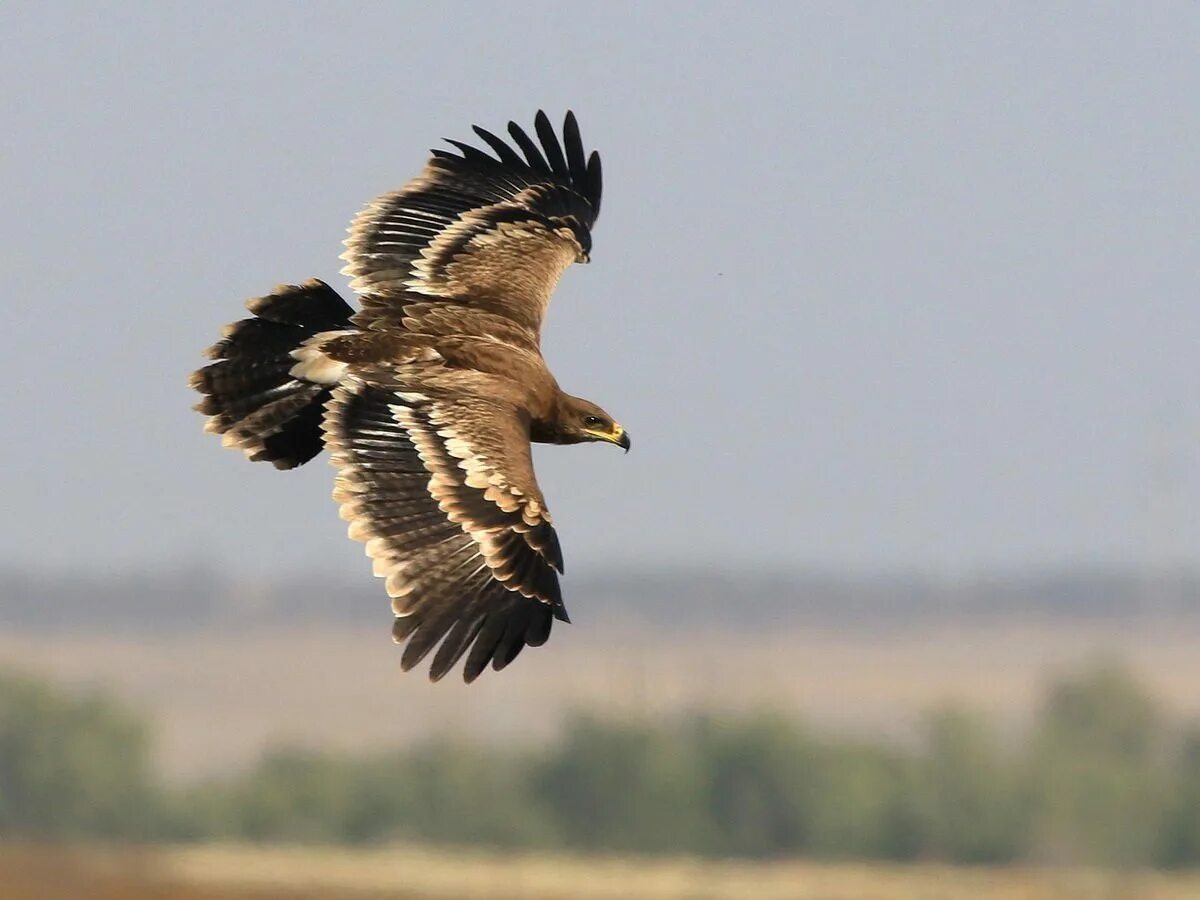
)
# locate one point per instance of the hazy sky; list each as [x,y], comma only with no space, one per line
[874,285]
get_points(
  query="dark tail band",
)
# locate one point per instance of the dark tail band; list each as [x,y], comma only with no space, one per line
[250,395]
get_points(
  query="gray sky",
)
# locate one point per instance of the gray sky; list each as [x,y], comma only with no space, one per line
[874,285]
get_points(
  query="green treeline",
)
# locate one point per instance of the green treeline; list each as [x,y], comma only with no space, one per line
[1102,777]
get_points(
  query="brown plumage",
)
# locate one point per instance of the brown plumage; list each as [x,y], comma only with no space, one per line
[429,395]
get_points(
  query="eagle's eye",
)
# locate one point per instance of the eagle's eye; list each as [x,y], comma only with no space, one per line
[593,422]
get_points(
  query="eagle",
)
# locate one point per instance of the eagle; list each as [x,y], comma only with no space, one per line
[429,395]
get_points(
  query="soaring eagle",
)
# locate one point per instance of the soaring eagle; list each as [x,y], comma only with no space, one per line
[429,395]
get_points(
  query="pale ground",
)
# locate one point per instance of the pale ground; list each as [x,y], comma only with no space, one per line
[219,698]
[241,871]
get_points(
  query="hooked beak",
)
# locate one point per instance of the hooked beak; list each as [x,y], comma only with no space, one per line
[617,436]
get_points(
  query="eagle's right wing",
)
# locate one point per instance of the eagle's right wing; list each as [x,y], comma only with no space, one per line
[491,235]
[440,486]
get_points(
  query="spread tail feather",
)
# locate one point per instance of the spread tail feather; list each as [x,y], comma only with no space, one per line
[251,395]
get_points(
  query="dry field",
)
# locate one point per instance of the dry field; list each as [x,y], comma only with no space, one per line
[219,698]
[227,871]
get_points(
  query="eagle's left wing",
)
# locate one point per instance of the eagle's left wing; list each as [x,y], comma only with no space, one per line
[440,486]
[487,234]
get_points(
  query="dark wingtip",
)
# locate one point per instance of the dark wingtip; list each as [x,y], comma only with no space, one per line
[595,181]
[507,155]
[472,153]
[533,156]
[562,156]
[506,655]
[573,143]
[550,143]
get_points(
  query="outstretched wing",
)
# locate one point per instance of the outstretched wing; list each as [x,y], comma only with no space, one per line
[490,233]
[440,486]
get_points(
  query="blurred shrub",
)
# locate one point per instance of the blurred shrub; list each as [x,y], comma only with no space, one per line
[625,786]
[967,802]
[445,792]
[71,765]
[451,792]
[1104,778]
[1181,844]
[756,784]
[292,795]
[1098,775]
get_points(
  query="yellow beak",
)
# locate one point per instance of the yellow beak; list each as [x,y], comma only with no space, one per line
[617,436]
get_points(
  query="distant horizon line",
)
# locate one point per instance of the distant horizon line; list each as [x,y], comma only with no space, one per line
[669,570]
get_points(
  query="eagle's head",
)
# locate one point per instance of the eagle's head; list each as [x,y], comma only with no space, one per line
[582,420]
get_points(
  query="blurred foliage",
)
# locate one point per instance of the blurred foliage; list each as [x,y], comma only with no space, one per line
[1104,777]
[1098,774]
[969,803]
[624,786]
[72,766]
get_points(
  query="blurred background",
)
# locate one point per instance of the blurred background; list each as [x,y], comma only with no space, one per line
[898,594]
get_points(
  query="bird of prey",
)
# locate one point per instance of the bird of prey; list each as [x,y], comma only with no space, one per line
[428,396]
